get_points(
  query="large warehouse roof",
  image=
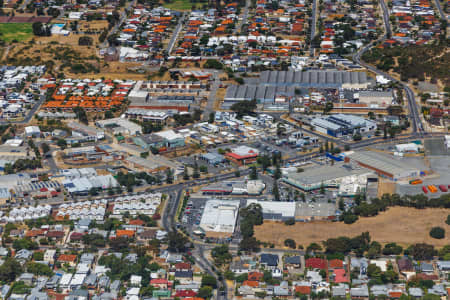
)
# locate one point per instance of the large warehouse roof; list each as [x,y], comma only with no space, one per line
[384,163]
[259,92]
[313,77]
[220,216]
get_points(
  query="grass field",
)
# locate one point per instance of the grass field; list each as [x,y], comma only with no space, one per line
[178,4]
[402,225]
[15,31]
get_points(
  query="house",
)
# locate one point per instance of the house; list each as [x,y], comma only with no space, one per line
[270,261]
[340,290]
[303,288]
[416,292]
[255,276]
[27,278]
[184,276]
[361,292]
[405,265]
[292,262]
[23,255]
[335,264]
[49,255]
[316,263]
[183,266]
[135,280]
[159,283]
[68,259]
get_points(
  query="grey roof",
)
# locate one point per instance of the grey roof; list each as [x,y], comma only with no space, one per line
[415,292]
[292,259]
[361,291]
[313,77]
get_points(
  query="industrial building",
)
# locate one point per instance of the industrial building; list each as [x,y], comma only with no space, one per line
[158,117]
[408,148]
[82,186]
[87,132]
[268,95]
[120,126]
[374,98]
[384,165]
[326,176]
[251,187]
[338,125]
[300,211]
[319,79]
[219,217]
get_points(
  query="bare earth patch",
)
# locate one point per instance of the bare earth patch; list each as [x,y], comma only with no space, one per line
[402,225]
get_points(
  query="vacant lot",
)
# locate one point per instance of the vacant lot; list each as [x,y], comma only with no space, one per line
[15,31]
[399,224]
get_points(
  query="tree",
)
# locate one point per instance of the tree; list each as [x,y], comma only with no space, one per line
[169,176]
[85,41]
[249,244]
[213,64]
[313,247]
[422,251]
[212,117]
[448,220]
[221,254]
[328,107]
[62,144]
[275,191]
[437,232]
[245,107]
[196,173]
[9,270]
[205,292]
[45,148]
[289,222]
[39,269]
[392,249]
[209,280]
[40,29]
[253,173]
[290,243]
[176,241]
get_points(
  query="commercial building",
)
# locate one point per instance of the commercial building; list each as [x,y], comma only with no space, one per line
[89,133]
[158,117]
[219,217]
[140,164]
[385,165]
[32,131]
[82,186]
[212,158]
[251,187]
[326,176]
[120,126]
[242,155]
[408,148]
[338,125]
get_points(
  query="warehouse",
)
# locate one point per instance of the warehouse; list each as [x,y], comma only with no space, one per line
[338,125]
[320,79]
[120,126]
[374,98]
[251,187]
[219,217]
[275,210]
[146,115]
[326,176]
[261,93]
[384,165]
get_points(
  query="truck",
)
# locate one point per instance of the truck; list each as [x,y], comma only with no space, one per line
[432,188]
[415,181]
[443,188]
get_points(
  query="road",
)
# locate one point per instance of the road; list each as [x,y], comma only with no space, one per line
[174,37]
[412,104]
[313,27]
[123,17]
[209,108]
[30,113]
[238,28]
[441,11]
[387,24]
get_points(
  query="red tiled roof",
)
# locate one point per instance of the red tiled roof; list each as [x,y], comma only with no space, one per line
[304,290]
[316,263]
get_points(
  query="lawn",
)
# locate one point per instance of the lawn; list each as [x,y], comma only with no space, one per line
[15,31]
[178,4]
[402,225]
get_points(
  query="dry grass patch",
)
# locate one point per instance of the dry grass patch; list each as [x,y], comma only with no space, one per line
[402,225]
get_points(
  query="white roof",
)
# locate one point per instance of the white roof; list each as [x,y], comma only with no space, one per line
[220,216]
[169,135]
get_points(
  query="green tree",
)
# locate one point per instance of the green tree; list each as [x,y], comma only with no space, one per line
[253,173]
[290,243]
[275,191]
[437,232]
[209,280]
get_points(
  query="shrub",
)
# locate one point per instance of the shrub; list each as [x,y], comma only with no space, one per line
[290,243]
[437,232]
[289,222]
